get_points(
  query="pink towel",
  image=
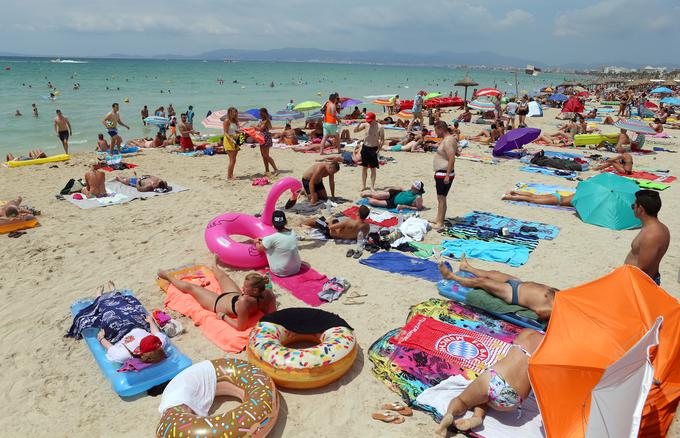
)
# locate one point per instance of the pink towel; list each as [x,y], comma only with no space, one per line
[134,364]
[305,285]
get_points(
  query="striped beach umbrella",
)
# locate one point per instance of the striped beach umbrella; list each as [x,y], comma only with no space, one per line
[488,92]
[635,126]
[482,105]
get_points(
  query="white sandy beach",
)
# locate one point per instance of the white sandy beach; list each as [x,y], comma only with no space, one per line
[51,386]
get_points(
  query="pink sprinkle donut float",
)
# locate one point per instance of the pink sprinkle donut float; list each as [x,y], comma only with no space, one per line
[241,255]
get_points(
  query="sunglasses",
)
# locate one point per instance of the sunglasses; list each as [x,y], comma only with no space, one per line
[633,206]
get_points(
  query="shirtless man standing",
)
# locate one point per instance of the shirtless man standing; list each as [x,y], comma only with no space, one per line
[374,141]
[111,122]
[312,181]
[95,182]
[347,229]
[651,243]
[62,127]
[443,164]
[534,296]
[185,130]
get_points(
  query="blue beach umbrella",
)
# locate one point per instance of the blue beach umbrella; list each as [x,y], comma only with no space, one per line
[671,101]
[660,90]
[156,120]
[255,112]
[606,200]
[286,115]
[315,116]
[558,97]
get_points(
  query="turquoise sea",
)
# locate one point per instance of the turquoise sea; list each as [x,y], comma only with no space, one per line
[23,81]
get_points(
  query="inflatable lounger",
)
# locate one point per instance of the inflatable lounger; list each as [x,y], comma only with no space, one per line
[454,291]
[123,150]
[52,159]
[586,139]
[130,383]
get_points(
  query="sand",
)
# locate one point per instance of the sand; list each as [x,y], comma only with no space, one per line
[51,385]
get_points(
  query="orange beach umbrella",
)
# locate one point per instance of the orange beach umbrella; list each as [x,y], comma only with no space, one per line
[592,326]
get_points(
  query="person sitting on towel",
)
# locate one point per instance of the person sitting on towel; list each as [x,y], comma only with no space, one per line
[622,163]
[493,133]
[281,248]
[657,125]
[621,142]
[145,183]
[234,305]
[466,116]
[347,229]
[138,343]
[95,182]
[397,197]
[537,297]
[532,198]
[504,387]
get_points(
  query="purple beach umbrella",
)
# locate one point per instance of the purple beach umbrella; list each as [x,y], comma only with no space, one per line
[515,139]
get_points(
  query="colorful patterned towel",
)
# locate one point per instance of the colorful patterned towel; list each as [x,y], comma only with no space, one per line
[548,171]
[458,346]
[491,221]
[463,231]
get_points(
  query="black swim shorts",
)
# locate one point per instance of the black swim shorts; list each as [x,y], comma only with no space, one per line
[318,187]
[369,157]
[63,135]
[440,185]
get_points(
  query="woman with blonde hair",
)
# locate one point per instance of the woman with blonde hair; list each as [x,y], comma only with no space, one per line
[264,126]
[231,130]
[234,305]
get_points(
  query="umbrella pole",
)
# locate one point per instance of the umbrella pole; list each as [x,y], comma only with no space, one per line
[465,99]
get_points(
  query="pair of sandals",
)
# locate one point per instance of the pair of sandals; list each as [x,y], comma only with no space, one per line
[16,234]
[354,253]
[393,413]
[260,181]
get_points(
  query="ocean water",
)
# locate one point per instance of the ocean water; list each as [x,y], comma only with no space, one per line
[23,81]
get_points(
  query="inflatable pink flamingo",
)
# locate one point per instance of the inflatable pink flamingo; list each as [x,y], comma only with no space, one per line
[244,255]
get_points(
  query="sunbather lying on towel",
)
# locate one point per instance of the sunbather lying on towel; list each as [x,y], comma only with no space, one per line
[347,229]
[397,197]
[145,183]
[32,155]
[622,163]
[346,157]
[13,208]
[534,296]
[550,199]
[234,305]
[503,387]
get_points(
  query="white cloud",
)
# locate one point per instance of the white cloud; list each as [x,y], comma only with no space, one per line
[516,17]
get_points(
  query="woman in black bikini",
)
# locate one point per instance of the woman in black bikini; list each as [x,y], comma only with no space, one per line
[234,305]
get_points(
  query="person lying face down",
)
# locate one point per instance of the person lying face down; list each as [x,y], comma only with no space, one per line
[347,229]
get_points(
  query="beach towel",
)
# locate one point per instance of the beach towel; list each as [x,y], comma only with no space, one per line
[305,285]
[410,371]
[478,159]
[497,424]
[458,346]
[218,332]
[463,231]
[645,176]
[131,384]
[119,193]
[399,263]
[364,201]
[549,172]
[497,222]
[391,221]
[644,184]
[513,255]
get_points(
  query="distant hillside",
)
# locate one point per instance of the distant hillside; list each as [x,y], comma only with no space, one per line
[371,57]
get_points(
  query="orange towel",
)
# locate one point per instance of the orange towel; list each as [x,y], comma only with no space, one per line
[219,332]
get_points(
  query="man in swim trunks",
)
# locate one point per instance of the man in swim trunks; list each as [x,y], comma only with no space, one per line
[466,116]
[651,243]
[330,123]
[347,229]
[622,163]
[397,197]
[145,114]
[417,110]
[111,122]
[444,168]
[375,139]
[185,131]
[537,297]
[503,387]
[312,181]
[95,182]
[62,127]
[145,183]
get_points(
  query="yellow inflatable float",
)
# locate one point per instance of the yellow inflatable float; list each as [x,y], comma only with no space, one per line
[52,159]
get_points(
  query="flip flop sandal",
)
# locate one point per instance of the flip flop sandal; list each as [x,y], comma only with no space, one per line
[352,301]
[16,234]
[357,254]
[350,253]
[388,417]
[399,407]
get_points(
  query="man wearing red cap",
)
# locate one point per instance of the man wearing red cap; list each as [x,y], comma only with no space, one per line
[375,138]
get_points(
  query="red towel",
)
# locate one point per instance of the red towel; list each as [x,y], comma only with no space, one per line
[305,285]
[460,347]
[353,213]
[646,176]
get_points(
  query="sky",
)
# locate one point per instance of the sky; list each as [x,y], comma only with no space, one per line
[555,32]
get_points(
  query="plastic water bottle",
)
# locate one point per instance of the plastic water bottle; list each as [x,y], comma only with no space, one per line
[400,219]
[329,209]
[360,241]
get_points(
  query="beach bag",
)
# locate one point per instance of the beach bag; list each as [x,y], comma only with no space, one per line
[72,186]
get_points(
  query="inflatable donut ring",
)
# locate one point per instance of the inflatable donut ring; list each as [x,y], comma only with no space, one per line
[255,417]
[302,368]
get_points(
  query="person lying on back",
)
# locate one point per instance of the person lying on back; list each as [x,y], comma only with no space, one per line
[145,183]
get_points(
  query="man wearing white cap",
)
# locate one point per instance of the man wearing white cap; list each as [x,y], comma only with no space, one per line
[375,138]
[397,197]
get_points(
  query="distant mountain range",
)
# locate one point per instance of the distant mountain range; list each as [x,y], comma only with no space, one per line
[483,58]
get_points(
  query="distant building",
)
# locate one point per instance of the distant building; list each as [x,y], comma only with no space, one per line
[650,69]
[617,70]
